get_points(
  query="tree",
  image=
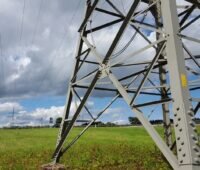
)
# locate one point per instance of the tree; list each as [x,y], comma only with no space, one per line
[110,124]
[97,123]
[58,122]
[156,122]
[134,121]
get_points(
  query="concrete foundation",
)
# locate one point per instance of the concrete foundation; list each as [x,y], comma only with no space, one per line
[53,167]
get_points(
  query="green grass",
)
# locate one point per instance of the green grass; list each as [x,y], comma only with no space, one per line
[100,148]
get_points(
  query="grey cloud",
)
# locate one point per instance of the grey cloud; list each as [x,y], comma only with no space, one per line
[50,50]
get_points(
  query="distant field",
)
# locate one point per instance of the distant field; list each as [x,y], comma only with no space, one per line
[100,148]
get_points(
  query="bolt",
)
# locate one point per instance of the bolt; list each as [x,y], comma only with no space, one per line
[195,129]
[192,123]
[198,154]
[190,113]
[197,160]
[194,137]
[195,149]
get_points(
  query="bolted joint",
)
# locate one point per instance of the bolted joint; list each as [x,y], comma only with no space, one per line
[105,69]
[88,2]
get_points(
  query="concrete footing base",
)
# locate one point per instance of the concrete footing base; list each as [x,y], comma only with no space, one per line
[53,167]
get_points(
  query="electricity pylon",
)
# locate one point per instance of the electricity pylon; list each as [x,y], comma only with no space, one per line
[162,70]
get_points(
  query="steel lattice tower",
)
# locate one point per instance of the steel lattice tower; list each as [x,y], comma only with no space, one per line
[124,69]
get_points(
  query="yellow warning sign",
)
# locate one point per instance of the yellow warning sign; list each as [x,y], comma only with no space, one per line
[183,80]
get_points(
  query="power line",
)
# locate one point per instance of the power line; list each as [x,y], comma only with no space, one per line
[129,42]
[22,21]
[152,111]
[37,22]
[90,24]
[35,27]
[61,42]
[21,29]
[2,62]
[70,23]
[123,8]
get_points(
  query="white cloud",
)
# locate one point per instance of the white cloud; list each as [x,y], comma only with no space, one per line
[45,66]
[113,111]
[8,107]
[35,117]
[121,122]
[53,111]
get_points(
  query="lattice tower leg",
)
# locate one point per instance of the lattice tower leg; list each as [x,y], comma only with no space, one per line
[185,132]
[162,76]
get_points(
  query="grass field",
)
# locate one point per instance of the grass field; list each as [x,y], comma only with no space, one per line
[100,148]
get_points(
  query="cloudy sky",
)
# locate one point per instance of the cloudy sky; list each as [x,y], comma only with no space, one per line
[37,39]
[37,46]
